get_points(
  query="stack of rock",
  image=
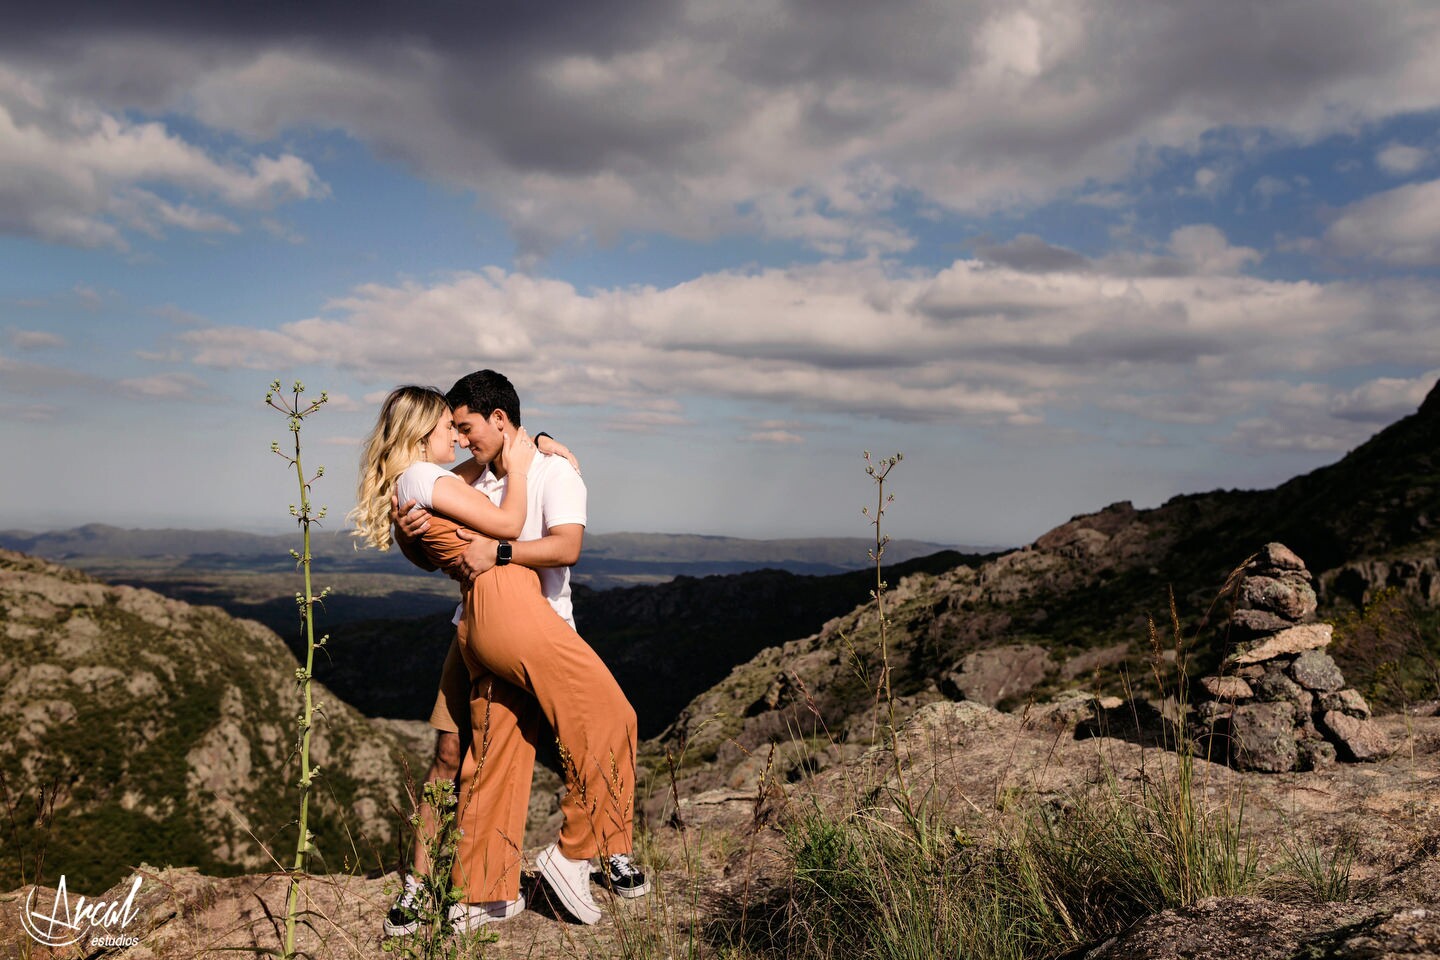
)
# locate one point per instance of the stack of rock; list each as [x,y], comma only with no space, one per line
[1279,702]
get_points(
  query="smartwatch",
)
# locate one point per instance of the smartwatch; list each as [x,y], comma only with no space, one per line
[502,553]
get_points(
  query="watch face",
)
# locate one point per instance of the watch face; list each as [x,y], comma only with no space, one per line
[502,554]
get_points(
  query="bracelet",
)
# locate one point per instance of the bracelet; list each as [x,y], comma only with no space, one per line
[547,436]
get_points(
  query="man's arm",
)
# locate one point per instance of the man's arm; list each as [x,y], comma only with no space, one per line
[558,548]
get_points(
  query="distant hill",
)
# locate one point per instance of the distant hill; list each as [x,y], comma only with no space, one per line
[610,559]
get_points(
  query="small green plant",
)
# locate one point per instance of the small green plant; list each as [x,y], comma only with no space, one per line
[438,892]
[1315,872]
[295,411]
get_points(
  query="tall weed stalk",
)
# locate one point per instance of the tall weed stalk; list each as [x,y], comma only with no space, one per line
[879,470]
[295,411]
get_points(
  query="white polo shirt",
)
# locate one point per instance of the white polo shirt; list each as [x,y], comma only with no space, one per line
[555,495]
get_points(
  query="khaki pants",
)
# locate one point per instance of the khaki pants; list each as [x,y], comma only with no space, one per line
[525,662]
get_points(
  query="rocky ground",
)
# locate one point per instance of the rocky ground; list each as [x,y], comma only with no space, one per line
[973,762]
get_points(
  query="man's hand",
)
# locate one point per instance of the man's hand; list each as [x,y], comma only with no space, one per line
[479,556]
[409,522]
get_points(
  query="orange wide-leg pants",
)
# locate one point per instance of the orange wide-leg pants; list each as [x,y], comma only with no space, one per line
[525,662]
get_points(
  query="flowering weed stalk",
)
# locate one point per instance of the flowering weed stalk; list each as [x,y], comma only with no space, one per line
[878,470]
[295,411]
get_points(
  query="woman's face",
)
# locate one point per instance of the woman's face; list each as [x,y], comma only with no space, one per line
[439,446]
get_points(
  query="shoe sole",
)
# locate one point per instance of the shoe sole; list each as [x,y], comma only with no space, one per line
[629,893]
[401,930]
[474,921]
[569,898]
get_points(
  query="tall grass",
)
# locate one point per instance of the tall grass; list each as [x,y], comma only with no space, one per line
[888,875]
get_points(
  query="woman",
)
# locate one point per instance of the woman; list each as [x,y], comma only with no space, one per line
[518,652]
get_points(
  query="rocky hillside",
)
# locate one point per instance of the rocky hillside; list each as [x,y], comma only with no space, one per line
[164,732]
[725,870]
[1070,610]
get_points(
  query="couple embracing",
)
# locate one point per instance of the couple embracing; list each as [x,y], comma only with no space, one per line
[507,525]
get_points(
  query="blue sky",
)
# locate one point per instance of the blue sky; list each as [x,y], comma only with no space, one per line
[1059,255]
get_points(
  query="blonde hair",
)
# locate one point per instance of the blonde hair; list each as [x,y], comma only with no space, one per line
[409,415]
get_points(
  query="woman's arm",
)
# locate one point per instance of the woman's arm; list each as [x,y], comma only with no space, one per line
[464,504]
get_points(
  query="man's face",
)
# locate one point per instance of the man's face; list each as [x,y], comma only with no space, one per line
[483,436]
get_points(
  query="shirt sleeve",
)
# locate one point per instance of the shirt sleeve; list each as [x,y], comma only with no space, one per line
[564,498]
[417,483]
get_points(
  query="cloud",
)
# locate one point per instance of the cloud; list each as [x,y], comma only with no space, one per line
[1030,253]
[973,344]
[163,386]
[774,436]
[78,175]
[1204,248]
[1399,226]
[638,116]
[1384,399]
[1400,160]
[35,339]
[28,412]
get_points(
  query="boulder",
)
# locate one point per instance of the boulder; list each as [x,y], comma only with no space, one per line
[1248,624]
[1227,688]
[995,673]
[1360,740]
[1263,737]
[1315,754]
[1275,684]
[1294,640]
[1277,556]
[1288,596]
[1314,670]
[1347,701]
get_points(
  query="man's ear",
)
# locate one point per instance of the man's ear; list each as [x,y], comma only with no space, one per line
[499,419]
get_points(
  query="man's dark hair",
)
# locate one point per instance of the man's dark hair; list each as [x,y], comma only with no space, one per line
[484,392]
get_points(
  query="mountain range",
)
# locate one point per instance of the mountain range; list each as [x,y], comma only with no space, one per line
[163,725]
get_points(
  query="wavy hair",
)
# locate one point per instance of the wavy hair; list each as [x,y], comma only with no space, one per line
[408,416]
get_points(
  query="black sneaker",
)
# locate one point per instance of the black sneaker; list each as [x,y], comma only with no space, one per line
[403,920]
[623,877]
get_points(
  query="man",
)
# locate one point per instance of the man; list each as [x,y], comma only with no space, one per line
[486,410]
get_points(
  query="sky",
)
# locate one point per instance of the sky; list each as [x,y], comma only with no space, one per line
[1059,254]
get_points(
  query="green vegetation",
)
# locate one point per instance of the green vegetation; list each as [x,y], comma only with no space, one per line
[295,413]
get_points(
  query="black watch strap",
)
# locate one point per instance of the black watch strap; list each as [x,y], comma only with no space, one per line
[502,553]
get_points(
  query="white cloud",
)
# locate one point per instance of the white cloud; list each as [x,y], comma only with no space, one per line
[28,412]
[765,118]
[1206,250]
[974,343]
[35,339]
[163,386]
[1400,160]
[1399,226]
[1384,399]
[71,173]
[774,436]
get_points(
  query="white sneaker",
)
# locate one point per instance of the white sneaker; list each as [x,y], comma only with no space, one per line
[465,917]
[402,920]
[623,877]
[569,880]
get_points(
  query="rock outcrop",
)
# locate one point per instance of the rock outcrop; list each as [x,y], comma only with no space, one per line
[166,731]
[1280,702]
